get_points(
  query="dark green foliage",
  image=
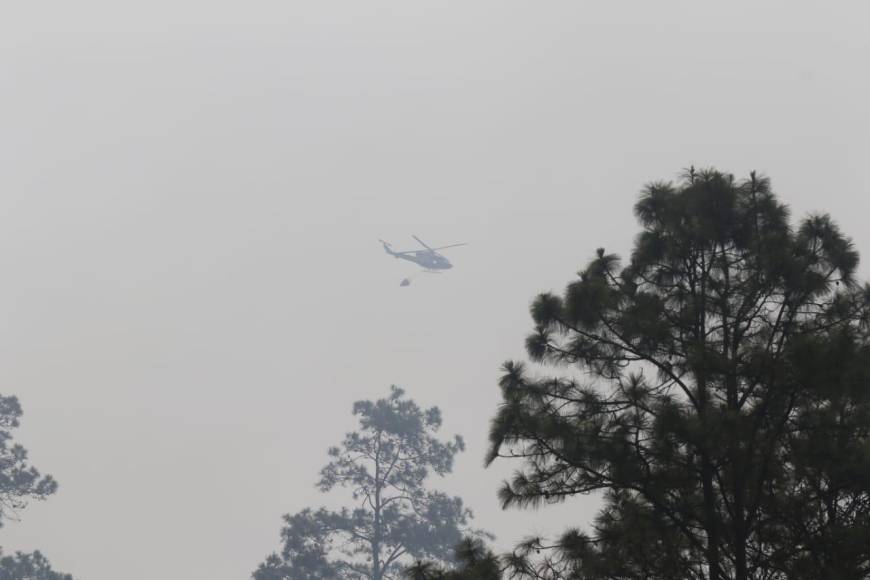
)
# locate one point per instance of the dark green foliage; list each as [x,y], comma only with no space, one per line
[473,561]
[28,567]
[722,403]
[396,520]
[818,519]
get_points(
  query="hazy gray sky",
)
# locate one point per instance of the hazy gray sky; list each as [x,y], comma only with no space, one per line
[191,193]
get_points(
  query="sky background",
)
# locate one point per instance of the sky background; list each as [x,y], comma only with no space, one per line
[191,193]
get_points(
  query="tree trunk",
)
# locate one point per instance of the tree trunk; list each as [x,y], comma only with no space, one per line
[377,572]
[711,518]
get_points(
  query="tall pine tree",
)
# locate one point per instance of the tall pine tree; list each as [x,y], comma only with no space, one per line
[697,394]
[396,519]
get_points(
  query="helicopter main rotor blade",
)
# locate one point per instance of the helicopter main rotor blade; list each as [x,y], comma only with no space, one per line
[451,246]
[422,243]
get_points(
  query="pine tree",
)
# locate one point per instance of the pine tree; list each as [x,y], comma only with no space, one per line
[473,561]
[20,482]
[35,566]
[683,397]
[396,520]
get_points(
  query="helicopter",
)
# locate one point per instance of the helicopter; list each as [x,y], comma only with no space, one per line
[429,258]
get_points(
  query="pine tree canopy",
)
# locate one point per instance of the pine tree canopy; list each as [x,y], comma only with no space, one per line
[473,561]
[20,482]
[715,388]
[35,566]
[396,519]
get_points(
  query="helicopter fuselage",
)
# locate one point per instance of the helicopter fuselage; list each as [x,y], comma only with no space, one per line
[426,259]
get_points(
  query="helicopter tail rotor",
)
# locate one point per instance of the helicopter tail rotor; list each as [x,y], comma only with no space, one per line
[387,247]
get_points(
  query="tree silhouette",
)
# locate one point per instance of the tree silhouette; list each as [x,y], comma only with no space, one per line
[20,482]
[473,561]
[816,522]
[696,397]
[28,567]
[396,519]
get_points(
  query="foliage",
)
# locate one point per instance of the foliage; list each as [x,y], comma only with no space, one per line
[385,464]
[28,567]
[816,522]
[19,481]
[719,406]
[473,561]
